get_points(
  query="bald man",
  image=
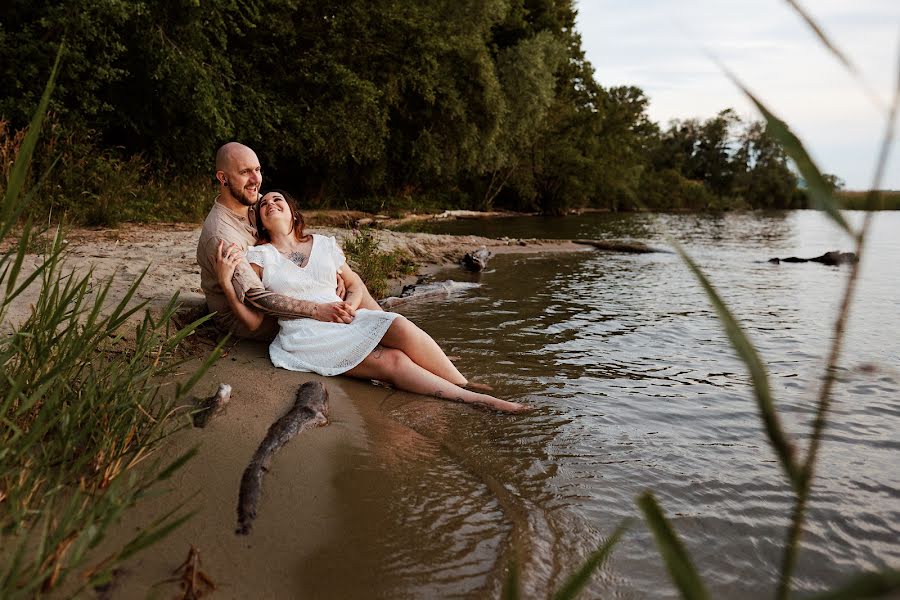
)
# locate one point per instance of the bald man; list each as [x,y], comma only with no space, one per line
[231,221]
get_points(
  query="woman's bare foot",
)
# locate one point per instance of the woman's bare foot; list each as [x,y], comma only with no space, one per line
[501,405]
[477,387]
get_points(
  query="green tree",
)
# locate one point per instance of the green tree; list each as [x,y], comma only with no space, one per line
[766,180]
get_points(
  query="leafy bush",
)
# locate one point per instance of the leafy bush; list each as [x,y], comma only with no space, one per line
[373,266]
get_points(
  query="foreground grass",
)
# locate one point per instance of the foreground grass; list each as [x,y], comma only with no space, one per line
[82,409]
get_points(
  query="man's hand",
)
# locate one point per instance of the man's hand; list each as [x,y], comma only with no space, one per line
[334,312]
[226,261]
[341,289]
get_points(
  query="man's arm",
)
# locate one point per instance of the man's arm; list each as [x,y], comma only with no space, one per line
[285,307]
[250,291]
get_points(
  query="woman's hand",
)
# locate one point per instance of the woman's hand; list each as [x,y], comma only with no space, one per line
[341,289]
[226,262]
[334,312]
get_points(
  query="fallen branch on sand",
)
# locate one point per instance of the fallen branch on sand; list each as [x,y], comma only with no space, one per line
[427,291]
[310,410]
[204,410]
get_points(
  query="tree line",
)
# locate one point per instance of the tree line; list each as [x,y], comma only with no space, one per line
[445,103]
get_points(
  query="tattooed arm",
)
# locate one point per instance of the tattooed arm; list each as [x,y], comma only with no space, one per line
[249,290]
[251,294]
[285,307]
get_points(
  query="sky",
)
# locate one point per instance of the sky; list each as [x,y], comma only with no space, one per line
[664,48]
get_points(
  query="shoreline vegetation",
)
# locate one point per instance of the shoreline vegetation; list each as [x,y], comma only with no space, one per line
[389,109]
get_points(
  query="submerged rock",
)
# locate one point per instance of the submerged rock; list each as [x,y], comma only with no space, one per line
[477,260]
[831,259]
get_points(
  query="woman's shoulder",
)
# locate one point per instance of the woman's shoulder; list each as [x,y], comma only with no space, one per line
[325,240]
[259,251]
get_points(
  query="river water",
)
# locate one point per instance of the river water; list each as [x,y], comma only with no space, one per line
[637,389]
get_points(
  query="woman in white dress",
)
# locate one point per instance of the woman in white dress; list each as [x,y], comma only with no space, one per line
[342,337]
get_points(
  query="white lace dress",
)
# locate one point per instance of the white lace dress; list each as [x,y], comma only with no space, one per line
[307,344]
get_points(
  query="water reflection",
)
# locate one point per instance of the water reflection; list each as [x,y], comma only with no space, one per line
[638,389]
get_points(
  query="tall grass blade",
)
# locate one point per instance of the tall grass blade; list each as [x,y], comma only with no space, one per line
[758,375]
[177,463]
[121,312]
[11,209]
[153,534]
[512,583]
[792,545]
[677,560]
[579,579]
[183,388]
[819,189]
[13,274]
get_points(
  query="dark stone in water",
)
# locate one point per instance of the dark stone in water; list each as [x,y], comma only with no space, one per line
[477,260]
[831,259]
[310,410]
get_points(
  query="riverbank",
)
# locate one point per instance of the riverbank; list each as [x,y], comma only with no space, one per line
[326,504]
[168,254]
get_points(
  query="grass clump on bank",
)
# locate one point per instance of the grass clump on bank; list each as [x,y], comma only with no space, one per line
[82,409]
[375,267]
[884,200]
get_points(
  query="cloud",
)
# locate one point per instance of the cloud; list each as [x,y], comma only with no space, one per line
[660,47]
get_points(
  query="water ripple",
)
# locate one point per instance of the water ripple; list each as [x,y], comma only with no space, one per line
[638,388]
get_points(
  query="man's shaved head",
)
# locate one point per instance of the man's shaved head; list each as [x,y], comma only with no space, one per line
[226,154]
[239,174]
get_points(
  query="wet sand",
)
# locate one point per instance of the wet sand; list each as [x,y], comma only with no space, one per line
[330,521]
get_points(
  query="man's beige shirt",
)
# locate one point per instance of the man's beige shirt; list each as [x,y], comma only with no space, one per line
[231,228]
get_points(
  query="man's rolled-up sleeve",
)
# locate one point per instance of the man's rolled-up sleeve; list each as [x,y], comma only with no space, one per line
[245,279]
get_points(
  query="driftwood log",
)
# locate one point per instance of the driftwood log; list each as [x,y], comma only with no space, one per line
[476,260]
[831,259]
[620,246]
[206,409]
[425,291]
[310,410]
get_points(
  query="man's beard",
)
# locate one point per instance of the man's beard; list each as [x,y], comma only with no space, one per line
[240,197]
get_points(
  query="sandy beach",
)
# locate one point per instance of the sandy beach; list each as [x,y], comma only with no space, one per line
[327,515]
